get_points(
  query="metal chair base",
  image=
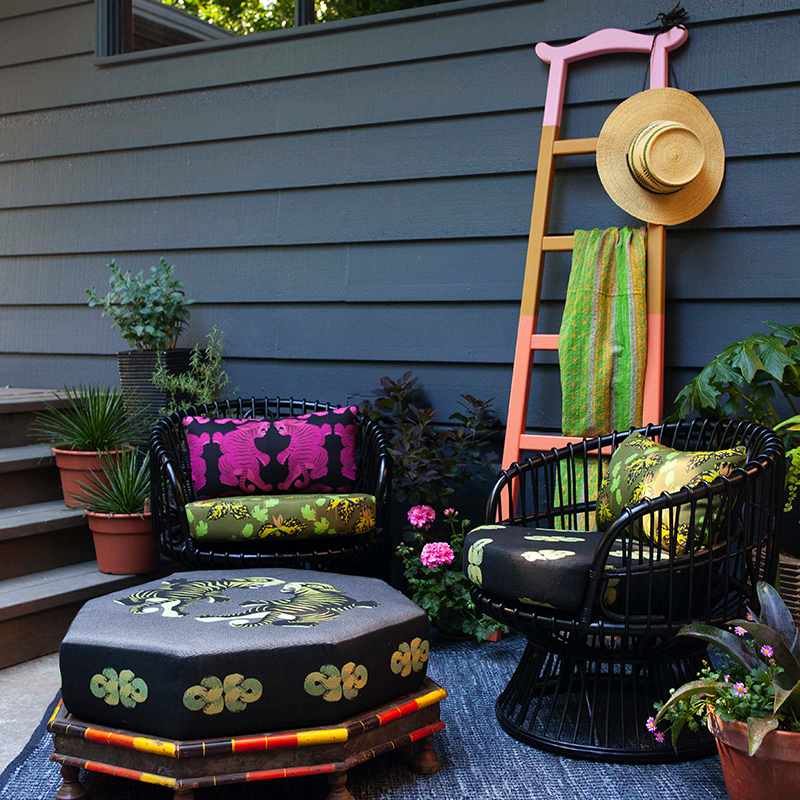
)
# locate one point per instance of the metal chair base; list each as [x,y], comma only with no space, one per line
[596,709]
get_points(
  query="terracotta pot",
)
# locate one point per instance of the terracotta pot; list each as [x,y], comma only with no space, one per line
[123,543]
[765,776]
[76,467]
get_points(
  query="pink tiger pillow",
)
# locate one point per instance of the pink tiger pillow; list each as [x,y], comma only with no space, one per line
[312,453]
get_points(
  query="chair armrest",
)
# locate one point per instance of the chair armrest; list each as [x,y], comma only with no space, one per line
[374,465]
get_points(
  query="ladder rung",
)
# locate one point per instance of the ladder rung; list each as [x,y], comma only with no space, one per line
[545,441]
[556,244]
[544,341]
[574,147]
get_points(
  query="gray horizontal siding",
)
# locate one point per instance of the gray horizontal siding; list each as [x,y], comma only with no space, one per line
[353,201]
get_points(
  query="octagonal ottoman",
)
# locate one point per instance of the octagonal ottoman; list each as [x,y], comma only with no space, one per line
[212,655]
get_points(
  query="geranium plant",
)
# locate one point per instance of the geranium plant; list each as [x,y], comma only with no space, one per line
[755,680]
[432,564]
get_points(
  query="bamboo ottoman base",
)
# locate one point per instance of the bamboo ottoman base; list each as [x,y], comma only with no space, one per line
[184,765]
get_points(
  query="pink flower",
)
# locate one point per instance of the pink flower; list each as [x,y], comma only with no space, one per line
[659,736]
[739,630]
[750,617]
[434,554]
[651,724]
[450,512]
[766,650]
[739,689]
[421,516]
[727,678]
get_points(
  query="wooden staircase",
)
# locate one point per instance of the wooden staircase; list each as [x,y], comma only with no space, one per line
[47,566]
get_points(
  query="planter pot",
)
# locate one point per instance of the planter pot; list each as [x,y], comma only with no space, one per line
[123,543]
[76,467]
[767,775]
[136,368]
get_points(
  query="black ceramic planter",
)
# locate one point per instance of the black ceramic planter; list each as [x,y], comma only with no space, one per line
[136,369]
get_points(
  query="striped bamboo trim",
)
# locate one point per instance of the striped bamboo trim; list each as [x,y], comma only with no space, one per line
[245,744]
[119,772]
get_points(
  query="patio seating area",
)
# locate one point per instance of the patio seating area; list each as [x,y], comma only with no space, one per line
[399,399]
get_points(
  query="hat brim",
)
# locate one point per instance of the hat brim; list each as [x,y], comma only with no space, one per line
[625,121]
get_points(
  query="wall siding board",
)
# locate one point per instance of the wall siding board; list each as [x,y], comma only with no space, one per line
[352,202]
[724,55]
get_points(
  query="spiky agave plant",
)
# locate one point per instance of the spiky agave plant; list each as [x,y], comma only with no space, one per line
[123,488]
[759,682]
[94,419]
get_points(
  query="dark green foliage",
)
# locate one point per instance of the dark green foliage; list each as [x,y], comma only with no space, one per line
[433,464]
[125,489]
[94,419]
[744,379]
[206,380]
[760,680]
[151,312]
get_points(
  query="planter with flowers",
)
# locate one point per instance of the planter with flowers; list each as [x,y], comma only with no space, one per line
[749,699]
[433,464]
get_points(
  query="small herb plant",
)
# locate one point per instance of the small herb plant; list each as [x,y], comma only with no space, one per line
[435,579]
[94,419]
[758,683]
[744,380]
[124,489]
[151,312]
[205,381]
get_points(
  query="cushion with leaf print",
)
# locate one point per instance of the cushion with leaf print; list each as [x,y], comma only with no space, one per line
[300,516]
[309,453]
[641,468]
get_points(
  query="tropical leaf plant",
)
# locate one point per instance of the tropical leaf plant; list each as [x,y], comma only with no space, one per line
[124,487]
[745,380]
[95,418]
[760,680]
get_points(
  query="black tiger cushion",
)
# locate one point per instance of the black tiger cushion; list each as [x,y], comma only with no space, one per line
[216,654]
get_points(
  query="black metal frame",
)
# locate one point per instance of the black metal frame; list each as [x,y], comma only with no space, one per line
[172,489]
[587,681]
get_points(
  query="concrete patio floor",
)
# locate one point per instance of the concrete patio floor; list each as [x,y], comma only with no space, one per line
[26,691]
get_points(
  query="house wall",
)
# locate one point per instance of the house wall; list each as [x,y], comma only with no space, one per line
[352,200]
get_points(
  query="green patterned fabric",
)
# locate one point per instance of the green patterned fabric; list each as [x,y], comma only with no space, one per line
[288,515]
[641,468]
[602,345]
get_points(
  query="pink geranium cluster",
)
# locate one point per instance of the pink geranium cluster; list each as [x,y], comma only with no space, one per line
[421,516]
[435,554]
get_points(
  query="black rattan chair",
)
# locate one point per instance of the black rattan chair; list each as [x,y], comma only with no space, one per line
[172,489]
[589,677]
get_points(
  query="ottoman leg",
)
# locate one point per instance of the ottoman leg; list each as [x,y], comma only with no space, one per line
[337,781]
[184,794]
[426,762]
[71,788]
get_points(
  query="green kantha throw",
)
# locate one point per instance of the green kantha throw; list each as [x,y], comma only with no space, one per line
[602,346]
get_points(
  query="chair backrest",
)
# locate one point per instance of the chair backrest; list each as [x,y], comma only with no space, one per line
[657,591]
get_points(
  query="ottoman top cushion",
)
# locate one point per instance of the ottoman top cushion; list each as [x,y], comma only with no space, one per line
[220,653]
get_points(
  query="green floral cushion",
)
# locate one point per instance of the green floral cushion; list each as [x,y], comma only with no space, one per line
[641,468]
[290,515]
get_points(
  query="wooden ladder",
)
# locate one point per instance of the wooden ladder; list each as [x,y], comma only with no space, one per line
[529,340]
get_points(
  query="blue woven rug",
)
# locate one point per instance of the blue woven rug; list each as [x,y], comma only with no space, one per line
[478,759]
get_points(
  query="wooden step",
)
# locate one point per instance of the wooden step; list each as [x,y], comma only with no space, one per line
[28,474]
[18,408]
[42,536]
[36,610]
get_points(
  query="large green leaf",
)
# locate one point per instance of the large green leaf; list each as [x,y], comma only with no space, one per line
[757,729]
[729,643]
[764,635]
[791,332]
[786,695]
[689,690]
[773,355]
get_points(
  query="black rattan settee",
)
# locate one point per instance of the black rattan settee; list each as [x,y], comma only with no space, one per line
[173,489]
[591,672]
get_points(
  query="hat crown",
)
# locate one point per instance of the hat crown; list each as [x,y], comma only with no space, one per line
[665,155]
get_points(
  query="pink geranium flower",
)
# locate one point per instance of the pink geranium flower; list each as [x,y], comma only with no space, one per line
[421,516]
[434,554]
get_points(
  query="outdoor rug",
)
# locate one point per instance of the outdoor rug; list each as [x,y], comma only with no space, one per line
[478,759]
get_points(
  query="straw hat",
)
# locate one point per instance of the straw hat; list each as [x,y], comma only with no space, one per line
[660,156]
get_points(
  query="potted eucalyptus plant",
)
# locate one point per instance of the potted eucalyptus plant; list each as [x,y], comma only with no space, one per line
[749,699]
[93,421]
[119,517]
[151,313]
